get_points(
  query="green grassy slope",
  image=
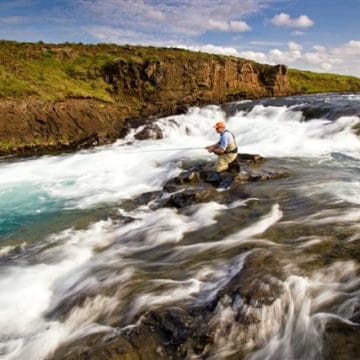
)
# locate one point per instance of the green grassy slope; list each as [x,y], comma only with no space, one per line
[57,72]
[308,82]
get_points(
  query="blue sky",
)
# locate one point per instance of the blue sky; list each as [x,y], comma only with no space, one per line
[319,35]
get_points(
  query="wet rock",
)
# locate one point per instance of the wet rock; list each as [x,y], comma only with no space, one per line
[250,159]
[242,177]
[341,341]
[191,185]
[175,332]
[266,175]
[189,176]
[234,166]
[171,186]
[120,217]
[356,316]
[147,197]
[87,142]
[226,182]
[214,178]
[255,284]
[135,345]
[150,131]
[182,200]
[189,197]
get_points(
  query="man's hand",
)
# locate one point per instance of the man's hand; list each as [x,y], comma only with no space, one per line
[218,150]
[215,149]
[210,148]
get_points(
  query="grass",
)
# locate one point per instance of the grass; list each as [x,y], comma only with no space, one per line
[9,145]
[31,71]
[56,72]
[60,71]
[309,82]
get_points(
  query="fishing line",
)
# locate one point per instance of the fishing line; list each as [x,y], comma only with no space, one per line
[172,149]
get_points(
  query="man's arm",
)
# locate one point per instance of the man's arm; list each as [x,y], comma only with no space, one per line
[216,148]
[211,148]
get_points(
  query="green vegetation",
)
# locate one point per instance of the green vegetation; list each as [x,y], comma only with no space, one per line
[309,82]
[50,73]
[60,71]
[13,144]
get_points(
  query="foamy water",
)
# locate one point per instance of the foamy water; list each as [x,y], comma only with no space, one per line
[45,263]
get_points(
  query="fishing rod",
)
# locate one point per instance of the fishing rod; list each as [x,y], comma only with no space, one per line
[168,149]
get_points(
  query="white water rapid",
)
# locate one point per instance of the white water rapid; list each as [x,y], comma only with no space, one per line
[72,265]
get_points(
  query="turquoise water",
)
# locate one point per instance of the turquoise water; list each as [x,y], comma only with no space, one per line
[25,205]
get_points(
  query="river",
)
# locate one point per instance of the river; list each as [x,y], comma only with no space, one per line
[72,265]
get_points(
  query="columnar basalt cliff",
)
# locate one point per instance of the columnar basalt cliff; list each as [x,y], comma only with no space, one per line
[176,83]
[70,96]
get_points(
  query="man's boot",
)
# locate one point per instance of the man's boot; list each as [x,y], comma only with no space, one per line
[214,178]
[226,182]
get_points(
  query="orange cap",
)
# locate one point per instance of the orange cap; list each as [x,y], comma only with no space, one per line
[219,125]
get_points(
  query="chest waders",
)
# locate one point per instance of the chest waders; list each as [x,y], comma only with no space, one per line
[230,154]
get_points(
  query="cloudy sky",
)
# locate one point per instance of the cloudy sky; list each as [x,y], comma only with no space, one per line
[319,35]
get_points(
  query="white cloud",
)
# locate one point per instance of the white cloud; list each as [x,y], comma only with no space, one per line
[234,26]
[209,48]
[344,59]
[303,21]
[319,48]
[172,19]
[239,26]
[294,46]
[218,25]
[275,56]
[254,55]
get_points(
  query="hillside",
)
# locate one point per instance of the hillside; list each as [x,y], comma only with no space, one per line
[74,95]
[307,82]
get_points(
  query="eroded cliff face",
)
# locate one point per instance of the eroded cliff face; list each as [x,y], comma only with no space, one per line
[171,84]
[158,86]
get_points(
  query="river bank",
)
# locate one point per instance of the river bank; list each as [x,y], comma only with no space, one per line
[73,96]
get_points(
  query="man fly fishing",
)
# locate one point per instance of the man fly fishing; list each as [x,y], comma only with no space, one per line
[225,149]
